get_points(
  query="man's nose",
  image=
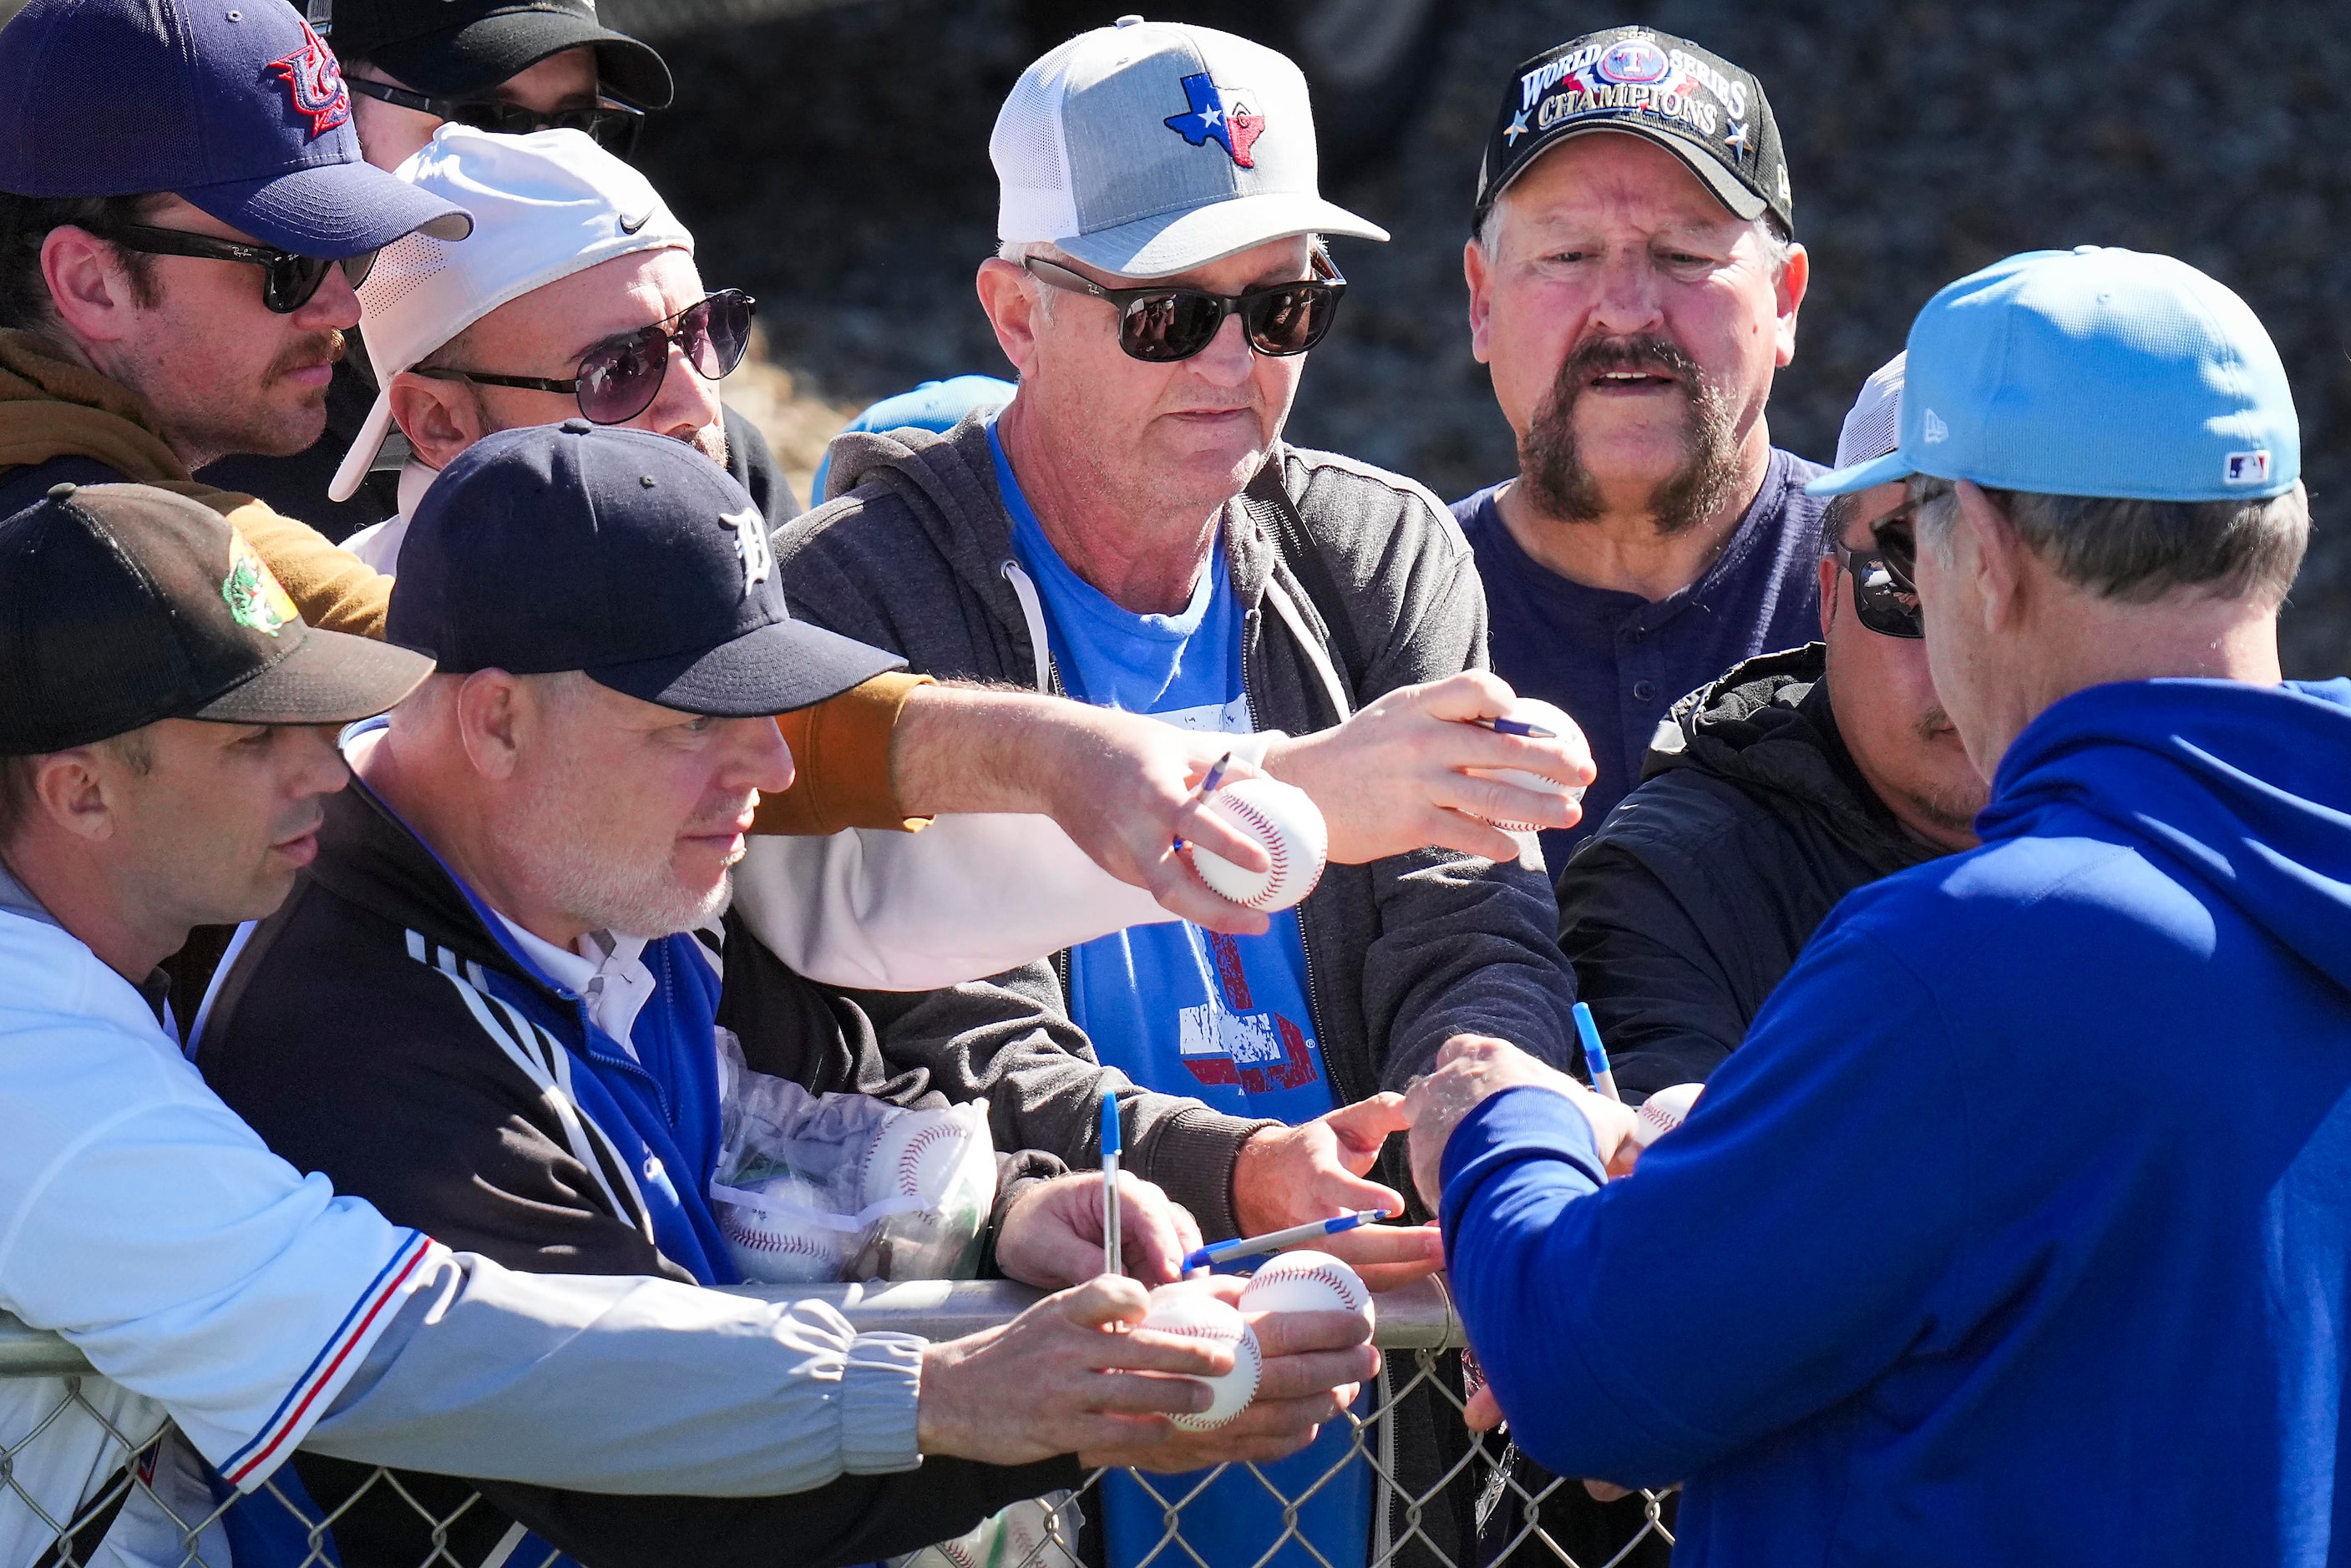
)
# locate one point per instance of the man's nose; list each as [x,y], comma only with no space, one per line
[686,405]
[1228,360]
[1628,302]
[757,757]
[335,304]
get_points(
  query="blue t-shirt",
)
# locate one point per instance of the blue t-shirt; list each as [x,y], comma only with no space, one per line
[1617,663]
[1188,1011]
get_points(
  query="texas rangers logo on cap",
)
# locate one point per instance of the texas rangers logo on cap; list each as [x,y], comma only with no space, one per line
[315,81]
[1221,114]
[1635,60]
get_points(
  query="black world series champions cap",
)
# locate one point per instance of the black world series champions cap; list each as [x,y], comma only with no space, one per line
[1695,104]
[121,605]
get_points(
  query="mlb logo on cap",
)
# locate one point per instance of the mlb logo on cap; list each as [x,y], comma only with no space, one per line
[1150,148]
[2248,468]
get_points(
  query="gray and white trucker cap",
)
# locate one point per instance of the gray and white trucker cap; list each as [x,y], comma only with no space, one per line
[1151,148]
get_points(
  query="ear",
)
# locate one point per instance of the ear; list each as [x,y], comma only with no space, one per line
[1478,269]
[1005,295]
[490,720]
[71,789]
[1987,548]
[88,286]
[1828,595]
[1789,298]
[440,418]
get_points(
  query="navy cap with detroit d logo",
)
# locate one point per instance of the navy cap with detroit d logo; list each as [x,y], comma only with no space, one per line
[626,555]
[234,105]
[1693,103]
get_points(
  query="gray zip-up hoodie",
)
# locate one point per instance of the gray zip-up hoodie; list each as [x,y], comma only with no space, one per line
[914,555]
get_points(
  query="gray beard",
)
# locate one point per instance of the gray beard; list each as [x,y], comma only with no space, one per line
[1562,485]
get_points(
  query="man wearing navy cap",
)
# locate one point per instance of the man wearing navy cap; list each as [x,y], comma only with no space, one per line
[554,815]
[2015,1228]
[184,216]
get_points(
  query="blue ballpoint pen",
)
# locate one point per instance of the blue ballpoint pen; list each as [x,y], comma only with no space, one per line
[1595,1056]
[1208,785]
[1217,1252]
[1516,727]
[1111,1260]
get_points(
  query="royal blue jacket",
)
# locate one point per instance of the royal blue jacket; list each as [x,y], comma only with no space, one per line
[2016,1232]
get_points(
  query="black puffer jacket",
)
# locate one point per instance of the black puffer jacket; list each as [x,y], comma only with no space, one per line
[1693,899]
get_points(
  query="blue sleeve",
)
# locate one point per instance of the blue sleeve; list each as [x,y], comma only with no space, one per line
[1769,1259]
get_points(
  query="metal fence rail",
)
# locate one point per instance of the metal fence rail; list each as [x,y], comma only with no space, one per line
[1517,1514]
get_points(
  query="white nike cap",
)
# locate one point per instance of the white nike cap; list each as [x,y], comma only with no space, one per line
[544,205]
[1152,148]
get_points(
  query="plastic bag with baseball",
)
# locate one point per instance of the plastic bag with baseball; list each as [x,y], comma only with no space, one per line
[846,1187]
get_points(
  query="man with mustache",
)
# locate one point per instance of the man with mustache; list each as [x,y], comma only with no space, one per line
[1633,287]
[1762,806]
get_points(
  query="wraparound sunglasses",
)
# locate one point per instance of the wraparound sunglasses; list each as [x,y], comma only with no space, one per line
[288,281]
[1161,325]
[620,376]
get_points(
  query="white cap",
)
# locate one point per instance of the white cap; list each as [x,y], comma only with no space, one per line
[1151,148]
[1872,426]
[545,207]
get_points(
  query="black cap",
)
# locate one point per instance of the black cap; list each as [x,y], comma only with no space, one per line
[1693,103]
[621,552]
[121,605]
[449,47]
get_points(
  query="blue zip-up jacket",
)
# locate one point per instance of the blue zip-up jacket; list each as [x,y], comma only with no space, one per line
[2017,1231]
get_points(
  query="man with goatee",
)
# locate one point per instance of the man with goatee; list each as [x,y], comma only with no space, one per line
[1633,287]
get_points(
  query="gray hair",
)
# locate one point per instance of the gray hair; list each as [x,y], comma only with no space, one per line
[2138,551]
[1779,245]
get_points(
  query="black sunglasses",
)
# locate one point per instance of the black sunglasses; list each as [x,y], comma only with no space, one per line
[620,376]
[287,283]
[1164,324]
[1884,580]
[613,126]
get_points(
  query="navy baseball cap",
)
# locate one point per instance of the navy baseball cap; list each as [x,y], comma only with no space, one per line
[2096,372]
[624,554]
[457,46]
[234,105]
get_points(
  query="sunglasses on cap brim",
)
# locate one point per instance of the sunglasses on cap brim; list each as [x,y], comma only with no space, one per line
[620,378]
[288,281]
[1161,325]
[610,126]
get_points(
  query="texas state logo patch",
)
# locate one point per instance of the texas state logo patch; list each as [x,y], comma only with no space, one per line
[314,80]
[1221,115]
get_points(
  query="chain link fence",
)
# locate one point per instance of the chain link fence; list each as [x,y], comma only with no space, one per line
[137,1506]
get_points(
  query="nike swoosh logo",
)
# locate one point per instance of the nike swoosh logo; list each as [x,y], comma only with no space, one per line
[630,225]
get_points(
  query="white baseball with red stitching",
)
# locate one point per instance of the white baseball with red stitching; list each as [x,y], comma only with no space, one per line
[1205,1317]
[914,1156]
[1286,821]
[1532,710]
[767,1248]
[1307,1280]
[1662,1112]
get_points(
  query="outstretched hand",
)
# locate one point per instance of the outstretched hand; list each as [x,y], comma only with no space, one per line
[1291,1176]
[1470,1069]
[1390,779]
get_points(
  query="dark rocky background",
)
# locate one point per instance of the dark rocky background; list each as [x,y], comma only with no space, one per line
[836,164]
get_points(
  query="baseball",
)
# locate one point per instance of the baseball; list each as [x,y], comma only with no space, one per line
[1307,1282]
[1662,1112]
[1205,1317]
[913,1156]
[1286,821]
[1532,710]
[774,1249]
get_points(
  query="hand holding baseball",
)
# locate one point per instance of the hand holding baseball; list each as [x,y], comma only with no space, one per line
[1394,778]
[1287,829]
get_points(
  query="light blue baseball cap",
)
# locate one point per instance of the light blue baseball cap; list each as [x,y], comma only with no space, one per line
[2093,372]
